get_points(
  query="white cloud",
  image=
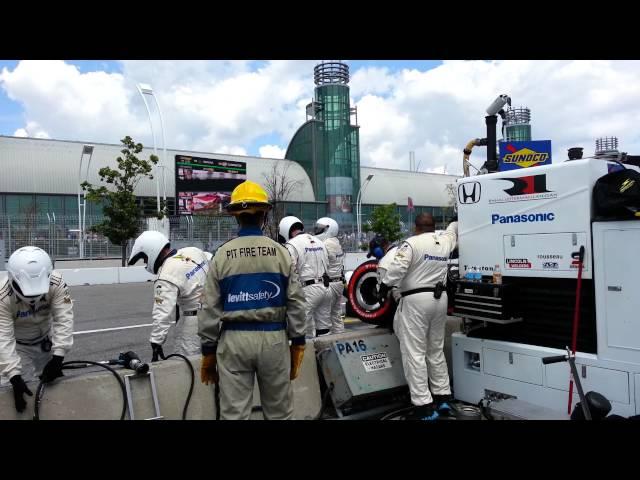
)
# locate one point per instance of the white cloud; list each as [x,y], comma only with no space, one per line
[272,151]
[224,106]
[370,80]
[92,106]
[435,113]
[232,150]
[33,130]
[218,106]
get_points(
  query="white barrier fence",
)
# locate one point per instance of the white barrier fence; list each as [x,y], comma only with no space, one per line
[111,275]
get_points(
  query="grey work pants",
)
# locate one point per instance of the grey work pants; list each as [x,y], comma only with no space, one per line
[241,356]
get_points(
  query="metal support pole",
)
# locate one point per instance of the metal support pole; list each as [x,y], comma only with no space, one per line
[359,207]
[155,150]
[164,152]
[82,204]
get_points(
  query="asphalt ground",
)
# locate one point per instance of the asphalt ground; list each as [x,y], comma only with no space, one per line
[110,319]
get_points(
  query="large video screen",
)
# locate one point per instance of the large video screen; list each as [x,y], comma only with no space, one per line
[204,185]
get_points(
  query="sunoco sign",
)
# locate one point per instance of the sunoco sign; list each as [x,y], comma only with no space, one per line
[516,155]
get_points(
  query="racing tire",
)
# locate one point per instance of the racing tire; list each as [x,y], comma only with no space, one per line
[361,301]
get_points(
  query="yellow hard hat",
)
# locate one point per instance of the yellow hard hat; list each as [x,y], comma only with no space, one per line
[248,197]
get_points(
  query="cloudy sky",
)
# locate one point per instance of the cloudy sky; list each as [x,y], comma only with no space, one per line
[254,107]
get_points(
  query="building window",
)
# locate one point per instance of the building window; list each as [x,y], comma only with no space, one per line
[71,206]
[20,205]
[309,213]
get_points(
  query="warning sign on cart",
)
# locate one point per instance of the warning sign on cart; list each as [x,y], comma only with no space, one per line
[375,362]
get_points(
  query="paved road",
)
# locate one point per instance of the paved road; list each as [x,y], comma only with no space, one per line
[102,307]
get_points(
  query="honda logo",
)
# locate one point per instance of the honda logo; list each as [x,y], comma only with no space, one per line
[469,192]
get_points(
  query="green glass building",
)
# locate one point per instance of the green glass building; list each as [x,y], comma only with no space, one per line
[327,145]
[518,125]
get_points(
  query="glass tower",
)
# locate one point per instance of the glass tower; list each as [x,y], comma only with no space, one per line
[518,124]
[327,144]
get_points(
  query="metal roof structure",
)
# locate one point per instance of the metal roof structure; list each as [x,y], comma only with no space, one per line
[34,165]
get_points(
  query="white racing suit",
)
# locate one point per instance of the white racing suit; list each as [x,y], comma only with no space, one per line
[383,265]
[180,283]
[335,267]
[252,307]
[310,260]
[420,320]
[29,336]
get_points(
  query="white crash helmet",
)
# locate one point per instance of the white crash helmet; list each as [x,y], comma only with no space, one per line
[148,247]
[29,269]
[326,228]
[286,224]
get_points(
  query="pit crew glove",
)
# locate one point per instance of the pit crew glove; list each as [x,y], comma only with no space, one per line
[19,388]
[297,353]
[209,369]
[157,352]
[383,291]
[52,370]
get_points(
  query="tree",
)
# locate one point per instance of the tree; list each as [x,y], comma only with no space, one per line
[121,210]
[279,185]
[385,220]
[450,188]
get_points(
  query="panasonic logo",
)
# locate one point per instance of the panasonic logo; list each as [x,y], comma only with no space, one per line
[436,258]
[198,267]
[525,218]
[251,297]
[312,249]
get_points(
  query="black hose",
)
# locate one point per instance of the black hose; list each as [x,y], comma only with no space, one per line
[85,363]
[216,398]
[484,410]
[397,412]
[193,375]
[323,404]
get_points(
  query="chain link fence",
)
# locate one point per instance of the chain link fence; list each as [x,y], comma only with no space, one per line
[59,235]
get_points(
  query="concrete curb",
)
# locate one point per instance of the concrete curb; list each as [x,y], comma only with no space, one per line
[97,395]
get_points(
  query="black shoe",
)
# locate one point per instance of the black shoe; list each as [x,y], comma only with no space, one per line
[423,412]
[443,404]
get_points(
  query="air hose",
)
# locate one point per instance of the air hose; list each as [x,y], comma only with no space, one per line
[193,375]
[395,413]
[83,363]
[323,404]
[484,409]
[86,363]
[467,152]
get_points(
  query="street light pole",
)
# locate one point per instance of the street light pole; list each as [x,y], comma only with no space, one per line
[82,205]
[359,206]
[146,89]
[164,152]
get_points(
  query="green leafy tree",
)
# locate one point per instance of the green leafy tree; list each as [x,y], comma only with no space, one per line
[122,213]
[385,220]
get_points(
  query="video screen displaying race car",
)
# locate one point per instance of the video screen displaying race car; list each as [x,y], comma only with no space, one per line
[204,185]
[200,203]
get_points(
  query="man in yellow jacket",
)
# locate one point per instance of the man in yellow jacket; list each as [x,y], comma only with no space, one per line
[252,308]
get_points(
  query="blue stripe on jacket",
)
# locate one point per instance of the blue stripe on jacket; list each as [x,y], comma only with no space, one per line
[249,291]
